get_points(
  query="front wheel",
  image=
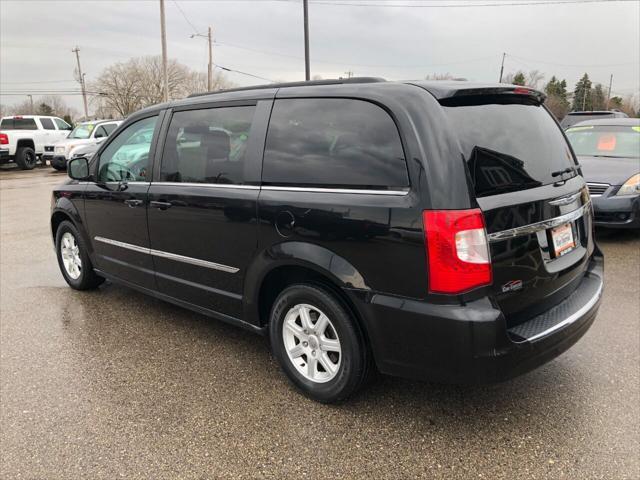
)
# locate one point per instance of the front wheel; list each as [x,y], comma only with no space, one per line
[73,259]
[317,343]
[26,158]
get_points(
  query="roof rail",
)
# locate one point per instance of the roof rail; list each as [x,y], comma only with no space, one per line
[333,81]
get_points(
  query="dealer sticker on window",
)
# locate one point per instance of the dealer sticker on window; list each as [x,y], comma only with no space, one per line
[563,241]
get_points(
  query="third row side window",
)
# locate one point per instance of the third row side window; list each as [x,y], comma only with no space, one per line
[333,142]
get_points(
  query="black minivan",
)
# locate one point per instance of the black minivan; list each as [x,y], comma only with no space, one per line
[432,230]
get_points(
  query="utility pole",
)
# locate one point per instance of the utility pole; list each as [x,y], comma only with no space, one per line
[31,100]
[584,99]
[609,93]
[82,84]
[502,67]
[209,38]
[163,33]
[307,69]
[349,74]
[210,71]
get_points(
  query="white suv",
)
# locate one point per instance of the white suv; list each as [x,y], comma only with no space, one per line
[85,133]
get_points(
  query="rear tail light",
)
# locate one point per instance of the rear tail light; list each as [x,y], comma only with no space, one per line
[457,250]
[4,139]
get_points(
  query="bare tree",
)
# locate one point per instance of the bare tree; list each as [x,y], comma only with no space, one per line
[557,105]
[120,88]
[137,83]
[534,77]
[196,82]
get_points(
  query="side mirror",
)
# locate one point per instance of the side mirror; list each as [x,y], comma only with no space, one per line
[78,168]
[100,139]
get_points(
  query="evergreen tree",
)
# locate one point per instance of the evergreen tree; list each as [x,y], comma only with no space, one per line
[582,95]
[615,102]
[557,101]
[44,109]
[519,79]
[598,99]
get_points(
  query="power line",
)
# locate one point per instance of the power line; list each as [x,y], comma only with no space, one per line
[39,81]
[573,65]
[297,57]
[243,73]
[184,15]
[465,5]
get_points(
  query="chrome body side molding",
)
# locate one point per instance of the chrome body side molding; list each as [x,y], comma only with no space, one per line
[171,256]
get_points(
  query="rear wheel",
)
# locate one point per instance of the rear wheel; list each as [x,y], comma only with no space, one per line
[317,343]
[26,158]
[73,259]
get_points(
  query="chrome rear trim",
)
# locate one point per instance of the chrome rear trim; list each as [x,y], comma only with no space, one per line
[536,227]
[571,318]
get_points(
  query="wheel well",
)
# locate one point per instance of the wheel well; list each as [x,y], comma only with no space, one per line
[56,220]
[280,278]
[25,142]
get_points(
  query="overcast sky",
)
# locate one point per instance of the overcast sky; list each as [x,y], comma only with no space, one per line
[265,38]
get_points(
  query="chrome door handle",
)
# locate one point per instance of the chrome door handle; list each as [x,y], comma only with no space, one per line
[133,203]
[160,205]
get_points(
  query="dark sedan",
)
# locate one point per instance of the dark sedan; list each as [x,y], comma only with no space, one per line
[609,152]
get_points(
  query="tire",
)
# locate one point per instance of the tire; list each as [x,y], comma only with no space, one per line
[58,168]
[347,370]
[26,158]
[76,269]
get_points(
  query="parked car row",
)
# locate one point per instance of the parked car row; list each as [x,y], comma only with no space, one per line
[26,138]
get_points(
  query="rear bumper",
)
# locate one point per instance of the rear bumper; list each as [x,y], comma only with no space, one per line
[471,344]
[4,155]
[616,212]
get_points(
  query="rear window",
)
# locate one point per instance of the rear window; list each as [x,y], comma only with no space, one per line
[332,142]
[605,141]
[509,146]
[18,124]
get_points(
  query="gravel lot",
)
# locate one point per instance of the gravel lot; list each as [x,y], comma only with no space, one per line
[112,383]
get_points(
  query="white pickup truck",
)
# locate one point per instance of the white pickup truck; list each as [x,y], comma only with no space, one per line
[23,138]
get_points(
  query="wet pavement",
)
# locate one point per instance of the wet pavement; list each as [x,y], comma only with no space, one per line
[114,384]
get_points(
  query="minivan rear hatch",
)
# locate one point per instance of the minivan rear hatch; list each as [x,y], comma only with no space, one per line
[527,183]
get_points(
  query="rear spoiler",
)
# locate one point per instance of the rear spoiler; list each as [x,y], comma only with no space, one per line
[509,93]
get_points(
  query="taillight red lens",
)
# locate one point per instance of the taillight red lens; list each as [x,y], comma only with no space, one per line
[4,139]
[457,250]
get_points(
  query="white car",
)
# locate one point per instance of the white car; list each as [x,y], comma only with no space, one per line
[85,133]
[23,138]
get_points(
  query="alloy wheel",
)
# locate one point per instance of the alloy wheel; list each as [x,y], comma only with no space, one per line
[312,343]
[70,252]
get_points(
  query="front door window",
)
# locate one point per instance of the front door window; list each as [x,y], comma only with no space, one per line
[126,158]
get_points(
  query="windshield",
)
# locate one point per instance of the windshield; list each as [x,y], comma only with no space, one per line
[82,131]
[509,146]
[605,140]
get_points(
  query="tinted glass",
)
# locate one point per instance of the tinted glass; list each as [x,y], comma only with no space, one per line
[100,132]
[62,125]
[605,141]
[126,158]
[18,124]
[509,147]
[109,127]
[333,142]
[207,146]
[47,124]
